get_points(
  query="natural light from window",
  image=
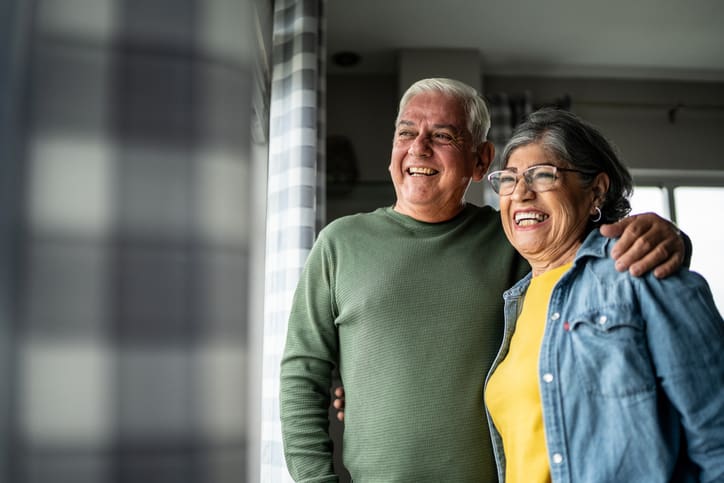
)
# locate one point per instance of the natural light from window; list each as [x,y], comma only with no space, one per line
[649,199]
[694,207]
[698,213]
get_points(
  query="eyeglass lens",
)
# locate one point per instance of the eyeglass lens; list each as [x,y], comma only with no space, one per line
[538,179]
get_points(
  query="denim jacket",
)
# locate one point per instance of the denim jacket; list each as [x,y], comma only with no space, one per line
[631,374]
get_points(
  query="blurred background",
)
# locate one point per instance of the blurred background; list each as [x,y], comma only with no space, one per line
[127,180]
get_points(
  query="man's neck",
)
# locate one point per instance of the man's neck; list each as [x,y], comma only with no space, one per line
[430,215]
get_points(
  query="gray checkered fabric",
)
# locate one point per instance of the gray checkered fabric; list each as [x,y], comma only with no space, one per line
[124,347]
[295,191]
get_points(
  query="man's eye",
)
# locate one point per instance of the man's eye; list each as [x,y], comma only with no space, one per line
[443,137]
[405,134]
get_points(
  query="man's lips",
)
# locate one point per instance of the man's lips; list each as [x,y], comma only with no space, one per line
[421,171]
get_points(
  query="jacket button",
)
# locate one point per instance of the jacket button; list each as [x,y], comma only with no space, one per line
[556,316]
[557,458]
[602,319]
[548,377]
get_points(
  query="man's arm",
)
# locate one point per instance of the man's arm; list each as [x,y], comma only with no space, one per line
[648,242]
[310,354]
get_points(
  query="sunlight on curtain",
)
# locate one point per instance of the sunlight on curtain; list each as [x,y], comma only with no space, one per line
[295,192]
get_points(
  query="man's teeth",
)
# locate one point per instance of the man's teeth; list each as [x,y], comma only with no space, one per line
[527,219]
[419,171]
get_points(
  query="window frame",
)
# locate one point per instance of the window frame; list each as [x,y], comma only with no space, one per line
[670,179]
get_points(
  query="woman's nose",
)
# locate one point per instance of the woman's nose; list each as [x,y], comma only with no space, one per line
[521,190]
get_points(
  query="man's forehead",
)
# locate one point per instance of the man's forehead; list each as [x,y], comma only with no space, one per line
[436,109]
[434,125]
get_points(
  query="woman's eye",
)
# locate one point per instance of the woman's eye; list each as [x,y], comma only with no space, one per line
[544,176]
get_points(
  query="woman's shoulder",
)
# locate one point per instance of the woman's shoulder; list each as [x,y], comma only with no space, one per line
[602,264]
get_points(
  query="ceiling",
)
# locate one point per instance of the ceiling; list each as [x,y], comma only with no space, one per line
[661,39]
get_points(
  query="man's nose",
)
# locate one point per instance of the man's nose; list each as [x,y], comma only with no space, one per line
[420,146]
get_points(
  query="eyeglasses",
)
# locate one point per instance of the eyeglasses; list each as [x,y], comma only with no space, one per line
[538,178]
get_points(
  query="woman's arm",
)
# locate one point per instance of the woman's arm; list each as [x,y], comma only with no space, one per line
[685,334]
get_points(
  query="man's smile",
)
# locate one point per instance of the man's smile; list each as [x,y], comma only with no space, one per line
[420,171]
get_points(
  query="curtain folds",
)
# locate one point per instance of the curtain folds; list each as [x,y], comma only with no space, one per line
[295,199]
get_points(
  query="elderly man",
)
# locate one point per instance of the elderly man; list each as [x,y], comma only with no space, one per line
[407,302]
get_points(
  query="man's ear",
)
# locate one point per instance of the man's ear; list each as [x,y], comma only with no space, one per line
[484,155]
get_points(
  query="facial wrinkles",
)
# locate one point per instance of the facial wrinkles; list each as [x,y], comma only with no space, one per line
[565,209]
[431,182]
[550,246]
[566,233]
[422,133]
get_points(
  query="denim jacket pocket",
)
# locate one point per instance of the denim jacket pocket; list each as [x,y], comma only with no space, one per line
[610,352]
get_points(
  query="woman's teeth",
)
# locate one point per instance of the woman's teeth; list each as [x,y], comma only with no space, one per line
[530,218]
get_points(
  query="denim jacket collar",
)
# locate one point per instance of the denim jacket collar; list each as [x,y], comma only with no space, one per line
[595,245]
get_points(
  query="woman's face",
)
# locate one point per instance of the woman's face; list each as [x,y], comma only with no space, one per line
[547,228]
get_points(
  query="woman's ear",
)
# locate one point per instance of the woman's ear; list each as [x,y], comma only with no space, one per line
[600,188]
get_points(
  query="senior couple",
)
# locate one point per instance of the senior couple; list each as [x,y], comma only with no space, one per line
[589,369]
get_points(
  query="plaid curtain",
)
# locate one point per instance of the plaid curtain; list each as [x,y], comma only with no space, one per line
[12,45]
[130,244]
[295,191]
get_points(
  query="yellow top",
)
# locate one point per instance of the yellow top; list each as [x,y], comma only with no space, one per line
[512,394]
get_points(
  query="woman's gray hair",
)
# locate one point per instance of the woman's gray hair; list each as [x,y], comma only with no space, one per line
[581,146]
[478,117]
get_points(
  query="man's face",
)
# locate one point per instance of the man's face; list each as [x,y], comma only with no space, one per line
[433,159]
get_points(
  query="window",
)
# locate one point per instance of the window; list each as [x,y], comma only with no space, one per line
[693,202]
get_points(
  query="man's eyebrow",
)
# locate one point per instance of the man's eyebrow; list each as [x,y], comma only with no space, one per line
[447,126]
[451,127]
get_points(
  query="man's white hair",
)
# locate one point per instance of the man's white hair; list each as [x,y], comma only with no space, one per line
[478,116]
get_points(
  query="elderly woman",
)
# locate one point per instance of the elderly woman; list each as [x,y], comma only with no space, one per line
[602,376]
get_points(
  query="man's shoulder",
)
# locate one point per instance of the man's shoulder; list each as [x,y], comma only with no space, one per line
[486,212]
[354,221]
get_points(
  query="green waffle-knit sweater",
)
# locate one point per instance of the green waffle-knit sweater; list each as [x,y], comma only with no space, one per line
[413,314]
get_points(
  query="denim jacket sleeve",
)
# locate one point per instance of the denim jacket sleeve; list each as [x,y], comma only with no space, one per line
[686,340]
